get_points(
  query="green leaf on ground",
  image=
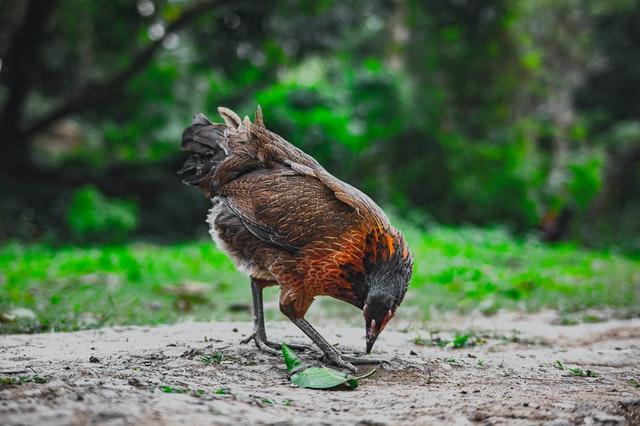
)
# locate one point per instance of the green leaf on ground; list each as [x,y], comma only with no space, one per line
[575,371]
[290,358]
[215,358]
[34,378]
[318,377]
[460,341]
[322,378]
[582,373]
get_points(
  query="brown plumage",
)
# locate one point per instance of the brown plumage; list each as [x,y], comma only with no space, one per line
[284,220]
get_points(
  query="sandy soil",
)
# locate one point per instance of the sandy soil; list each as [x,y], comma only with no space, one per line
[115,376]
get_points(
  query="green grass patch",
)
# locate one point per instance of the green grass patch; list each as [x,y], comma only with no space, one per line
[471,268]
[44,288]
[19,380]
[215,358]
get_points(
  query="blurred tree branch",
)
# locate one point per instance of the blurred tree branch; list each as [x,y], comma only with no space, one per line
[28,38]
[96,92]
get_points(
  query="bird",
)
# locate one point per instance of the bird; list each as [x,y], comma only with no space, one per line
[284,220]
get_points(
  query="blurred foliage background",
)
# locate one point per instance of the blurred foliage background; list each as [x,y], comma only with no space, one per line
[520,115]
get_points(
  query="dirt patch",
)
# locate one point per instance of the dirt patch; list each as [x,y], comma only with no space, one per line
[197,373]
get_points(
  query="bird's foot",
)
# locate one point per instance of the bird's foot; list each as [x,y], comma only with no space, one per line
[361,360]
[272,347]
[261,343]
[294,346]
[350,362]
[340,360]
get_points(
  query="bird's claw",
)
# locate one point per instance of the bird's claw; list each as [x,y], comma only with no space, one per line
[357,360]
[261,343]
[272,347]
[248,339]
[294,346]
[348,361]
[341,362]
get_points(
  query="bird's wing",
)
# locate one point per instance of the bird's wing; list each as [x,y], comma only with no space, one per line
[287,208]
[275,149]
[349,195]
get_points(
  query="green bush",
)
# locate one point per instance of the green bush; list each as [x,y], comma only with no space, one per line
[94,217]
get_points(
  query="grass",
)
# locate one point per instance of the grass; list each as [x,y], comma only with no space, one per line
[19,380]
[45,288]
[575,371]
[215,358]
[457,341]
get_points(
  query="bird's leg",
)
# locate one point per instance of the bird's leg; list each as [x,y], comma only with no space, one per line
[259,335]
[332,354]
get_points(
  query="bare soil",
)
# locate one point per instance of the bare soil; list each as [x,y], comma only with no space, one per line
[155,375]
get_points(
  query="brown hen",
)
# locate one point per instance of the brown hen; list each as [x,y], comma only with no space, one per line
[284,220]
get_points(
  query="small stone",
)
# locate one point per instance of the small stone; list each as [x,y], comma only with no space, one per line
[630,402]
[602,417]
[94,359]
[134,381]
[479,416]
[413,353]
[24,313]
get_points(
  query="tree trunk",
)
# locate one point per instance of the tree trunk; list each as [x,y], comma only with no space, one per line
[17,70]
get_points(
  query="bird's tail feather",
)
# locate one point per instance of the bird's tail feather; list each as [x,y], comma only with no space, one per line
[220,152]
[208,144]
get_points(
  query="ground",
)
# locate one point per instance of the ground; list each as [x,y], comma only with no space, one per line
[509,368]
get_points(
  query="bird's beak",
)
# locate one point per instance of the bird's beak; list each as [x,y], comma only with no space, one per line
[372,335]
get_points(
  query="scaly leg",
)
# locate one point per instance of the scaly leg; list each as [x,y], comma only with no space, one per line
[330,353]
[259,335]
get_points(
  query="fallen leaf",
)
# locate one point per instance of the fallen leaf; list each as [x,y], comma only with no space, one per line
[317,377]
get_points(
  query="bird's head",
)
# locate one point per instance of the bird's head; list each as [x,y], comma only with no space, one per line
[378,310]
[387,284]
